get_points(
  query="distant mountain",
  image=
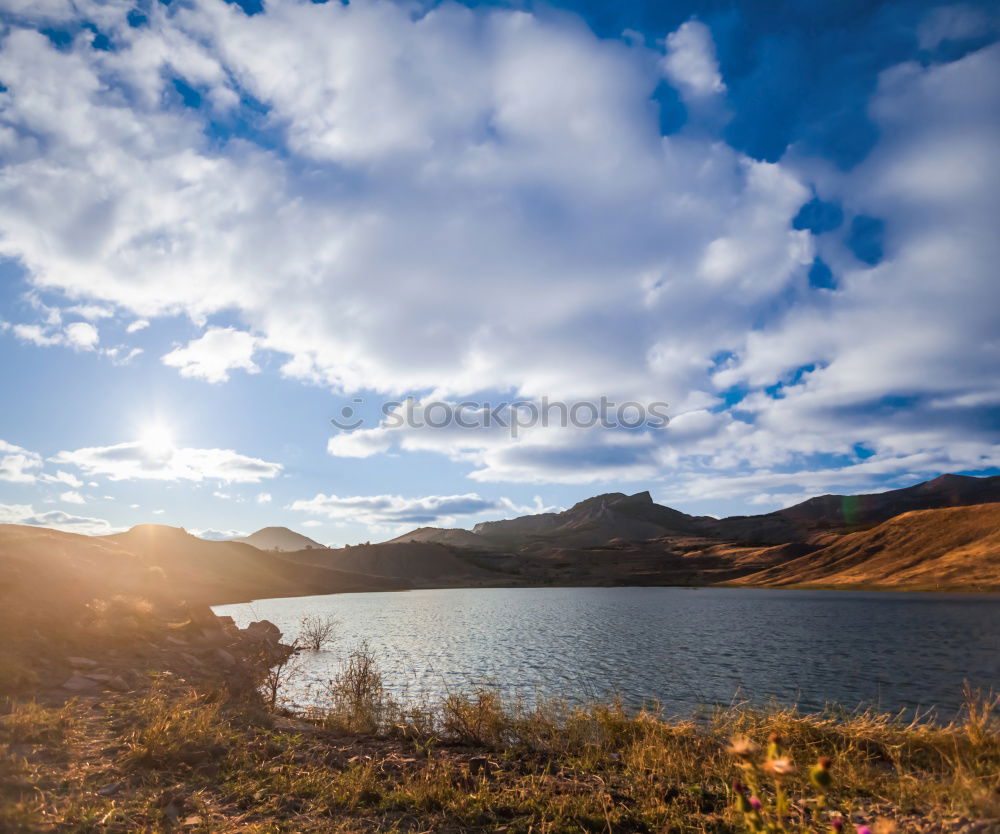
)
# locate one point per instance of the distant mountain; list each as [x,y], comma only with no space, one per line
[592,522]
[853,512]
[424,564]
[278,538]
[629,539]
[615,516]
[451,536]
[953,547]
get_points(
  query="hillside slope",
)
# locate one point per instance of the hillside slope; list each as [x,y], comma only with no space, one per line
[154,561]
[853,512]
[422,564]
[229,571]
[452,536]
[954,547]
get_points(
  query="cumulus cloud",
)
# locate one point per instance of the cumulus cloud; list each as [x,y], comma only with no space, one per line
[17,465]
[135,461]
[690,61]
[72,497]
[384,510]
[212,356]
[263,497]
[82,335]
[516,185]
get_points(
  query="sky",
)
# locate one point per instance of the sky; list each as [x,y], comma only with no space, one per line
[225,224]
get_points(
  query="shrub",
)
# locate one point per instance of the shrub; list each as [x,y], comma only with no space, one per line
[318,632]
[358,701]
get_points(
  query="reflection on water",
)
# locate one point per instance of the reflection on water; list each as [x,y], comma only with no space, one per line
[684,647]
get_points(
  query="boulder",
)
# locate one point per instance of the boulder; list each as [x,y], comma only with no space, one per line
[263,631]
[81,662]
[80,683]
[203,617]
[224,657]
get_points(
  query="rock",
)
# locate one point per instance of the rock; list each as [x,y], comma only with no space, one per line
[176,641]
[481,765]
[224,657]
[203,616]
[81,662]
[110,790]
[80,683]
[264,631]
[212,636]
[118,684]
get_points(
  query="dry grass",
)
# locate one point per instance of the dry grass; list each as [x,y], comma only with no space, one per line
[197,760]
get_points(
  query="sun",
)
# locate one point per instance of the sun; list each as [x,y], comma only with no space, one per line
[157,439]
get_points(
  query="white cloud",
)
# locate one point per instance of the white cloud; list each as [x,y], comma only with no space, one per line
[63,477]
[217,535]
[554,190]
[91,312]
[263,498]
[215,354]
[383,510]
[129,461]
[72,497]
[515,185]
[16,464]
[55,519]
[82,335]
[37,335]
[79,335]
[690,62]
[137,325]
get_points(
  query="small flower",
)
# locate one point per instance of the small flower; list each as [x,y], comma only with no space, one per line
[819,773]
[780,766]
[837,825]
[864,829]
[742,748]
[756,804]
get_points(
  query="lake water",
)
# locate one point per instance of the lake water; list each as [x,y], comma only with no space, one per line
[686,648]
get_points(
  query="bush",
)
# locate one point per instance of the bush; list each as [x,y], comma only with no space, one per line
[318,632]
[479,719]
[357,695]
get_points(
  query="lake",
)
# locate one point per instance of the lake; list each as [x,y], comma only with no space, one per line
[686,648]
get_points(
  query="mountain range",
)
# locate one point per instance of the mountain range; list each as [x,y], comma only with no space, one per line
[941,534]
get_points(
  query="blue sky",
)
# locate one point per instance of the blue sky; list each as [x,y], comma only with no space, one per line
[223,222]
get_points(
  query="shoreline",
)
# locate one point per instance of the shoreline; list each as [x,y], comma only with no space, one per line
[186,742]
[992,591]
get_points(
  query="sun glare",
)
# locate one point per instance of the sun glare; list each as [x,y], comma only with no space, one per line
[157,439]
